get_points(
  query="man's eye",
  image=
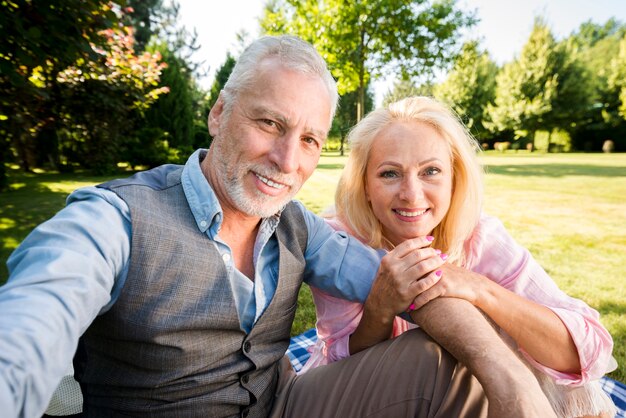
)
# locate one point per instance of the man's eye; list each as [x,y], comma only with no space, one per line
[310,141]
[268,122]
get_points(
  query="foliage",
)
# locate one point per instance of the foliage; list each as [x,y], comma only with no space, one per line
[103,99]
[598,47]
[542,89]
[171,118]
[469,87]
[525,86]
[365,39]
[144,17]
[345,117]
[39,40]
[401,89]
[617,76]
[176,123]
[221,77]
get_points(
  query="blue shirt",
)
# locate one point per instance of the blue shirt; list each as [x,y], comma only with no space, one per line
[72,268]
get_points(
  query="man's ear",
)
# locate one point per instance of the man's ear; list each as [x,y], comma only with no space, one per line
[215,116]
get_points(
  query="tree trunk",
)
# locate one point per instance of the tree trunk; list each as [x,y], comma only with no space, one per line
[549,140]
[343,139]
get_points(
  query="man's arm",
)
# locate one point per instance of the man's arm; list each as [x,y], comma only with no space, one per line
[60,279]
[460,328]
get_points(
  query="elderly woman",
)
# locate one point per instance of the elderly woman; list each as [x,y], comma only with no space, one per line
[413,172]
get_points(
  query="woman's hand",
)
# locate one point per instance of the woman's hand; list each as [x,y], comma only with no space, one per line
[455,282]
[405,272]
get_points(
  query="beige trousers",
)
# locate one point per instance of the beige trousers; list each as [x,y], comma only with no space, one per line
[408,376]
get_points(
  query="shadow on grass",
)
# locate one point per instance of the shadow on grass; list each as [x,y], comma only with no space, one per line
[557,170]
[30,202]
[331,166]
[611,307]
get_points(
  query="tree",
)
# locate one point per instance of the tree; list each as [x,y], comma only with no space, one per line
[595,44]
[527,89]
[574,93]
[221,77]
[345,117]
[404,87]
[103,100]
[39,39]
[617,76]
[169,122]
[145,16]
[175,123]
[368,38]
[469,87]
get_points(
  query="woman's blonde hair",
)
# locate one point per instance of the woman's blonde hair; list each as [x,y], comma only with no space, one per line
[352,205]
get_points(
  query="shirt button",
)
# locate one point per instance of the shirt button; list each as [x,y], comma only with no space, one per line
[245,379]
[203,224]
[226,257]
[247,346]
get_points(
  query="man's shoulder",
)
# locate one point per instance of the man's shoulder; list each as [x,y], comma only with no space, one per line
[157,178]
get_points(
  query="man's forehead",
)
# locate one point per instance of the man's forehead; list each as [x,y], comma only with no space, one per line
[288,117]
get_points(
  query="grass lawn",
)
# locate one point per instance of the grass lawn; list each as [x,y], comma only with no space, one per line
[568,209]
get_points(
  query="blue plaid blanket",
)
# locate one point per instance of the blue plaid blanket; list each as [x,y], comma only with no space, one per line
[298,355]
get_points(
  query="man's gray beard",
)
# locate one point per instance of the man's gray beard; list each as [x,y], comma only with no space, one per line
[260,205]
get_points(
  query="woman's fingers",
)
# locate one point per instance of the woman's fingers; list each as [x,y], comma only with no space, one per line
[427,289]
[411,245]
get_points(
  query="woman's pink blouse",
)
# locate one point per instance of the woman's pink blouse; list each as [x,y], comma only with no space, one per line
[493,253]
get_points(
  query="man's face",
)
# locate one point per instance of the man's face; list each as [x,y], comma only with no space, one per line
[270,143]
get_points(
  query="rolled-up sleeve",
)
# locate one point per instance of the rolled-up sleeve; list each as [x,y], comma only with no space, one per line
[496,255]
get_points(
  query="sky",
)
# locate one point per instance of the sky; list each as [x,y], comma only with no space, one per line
[503,29]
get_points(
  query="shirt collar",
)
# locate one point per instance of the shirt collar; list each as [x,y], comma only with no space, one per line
[205,207]
[202,200]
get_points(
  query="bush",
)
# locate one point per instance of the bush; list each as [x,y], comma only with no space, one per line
[502,146]
[608,146]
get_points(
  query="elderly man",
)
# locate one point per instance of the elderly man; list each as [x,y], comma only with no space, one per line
[181,283]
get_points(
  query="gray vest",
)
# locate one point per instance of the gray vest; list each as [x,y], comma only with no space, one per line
[172,344]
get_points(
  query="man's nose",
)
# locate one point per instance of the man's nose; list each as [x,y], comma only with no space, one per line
[285,153]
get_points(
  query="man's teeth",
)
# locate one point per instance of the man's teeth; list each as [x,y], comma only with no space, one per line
[417,213]
[269,182]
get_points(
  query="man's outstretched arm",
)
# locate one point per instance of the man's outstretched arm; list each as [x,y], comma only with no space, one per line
[460,328]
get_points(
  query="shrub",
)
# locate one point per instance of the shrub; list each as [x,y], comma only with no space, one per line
[608,146]
[502,146]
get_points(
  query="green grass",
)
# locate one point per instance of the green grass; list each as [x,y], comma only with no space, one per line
[568,209]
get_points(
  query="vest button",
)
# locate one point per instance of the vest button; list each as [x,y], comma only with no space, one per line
[246,347]
[245,379]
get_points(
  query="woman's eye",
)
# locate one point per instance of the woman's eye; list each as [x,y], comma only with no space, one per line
[389,174]
[431,171]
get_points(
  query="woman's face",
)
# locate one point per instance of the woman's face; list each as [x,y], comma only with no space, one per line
[409,180]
